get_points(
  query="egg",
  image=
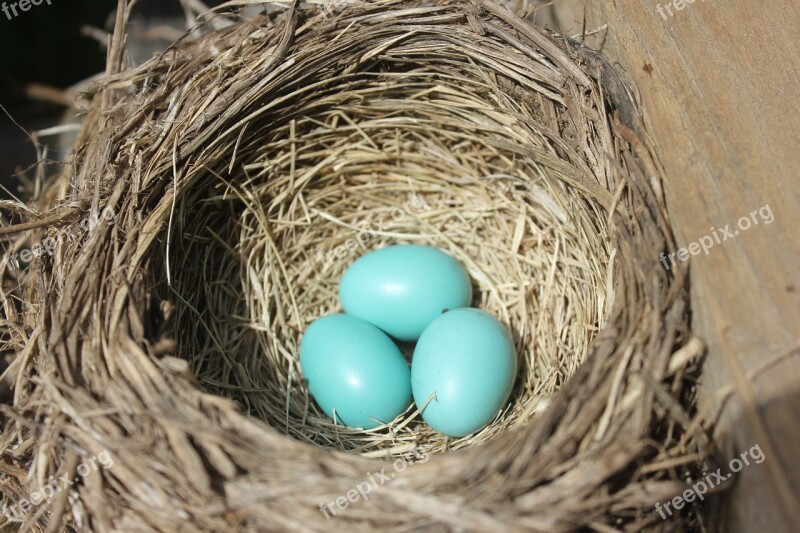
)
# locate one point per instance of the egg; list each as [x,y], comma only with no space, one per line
[355,369]
[467,357]
[402,288]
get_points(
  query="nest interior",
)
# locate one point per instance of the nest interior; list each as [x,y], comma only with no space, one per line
[385,161]
[247,167]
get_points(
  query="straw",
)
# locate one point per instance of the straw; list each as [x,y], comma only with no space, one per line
[247,168]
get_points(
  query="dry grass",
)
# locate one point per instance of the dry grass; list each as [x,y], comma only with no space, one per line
[381,166]
[238,157]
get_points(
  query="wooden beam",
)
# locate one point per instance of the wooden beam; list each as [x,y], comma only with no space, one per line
[719,82]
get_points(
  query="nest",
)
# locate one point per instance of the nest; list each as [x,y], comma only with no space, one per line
[246,168]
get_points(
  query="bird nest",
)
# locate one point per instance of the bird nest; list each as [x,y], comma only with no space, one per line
[216,195]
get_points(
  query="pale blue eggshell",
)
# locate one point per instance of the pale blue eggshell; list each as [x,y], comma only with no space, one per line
[467,357]
[402,288]
[355,368]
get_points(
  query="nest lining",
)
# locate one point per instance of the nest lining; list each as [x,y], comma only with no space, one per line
[386,164]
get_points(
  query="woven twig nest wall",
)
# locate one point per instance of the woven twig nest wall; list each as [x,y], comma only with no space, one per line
[245,169]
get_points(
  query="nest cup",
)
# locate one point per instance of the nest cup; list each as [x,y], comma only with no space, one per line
[387,162]
[248,167]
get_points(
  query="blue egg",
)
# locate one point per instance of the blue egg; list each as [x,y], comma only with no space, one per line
[467,358]
[402,288]
[354,368]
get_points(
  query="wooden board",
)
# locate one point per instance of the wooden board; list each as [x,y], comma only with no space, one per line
[719,82]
